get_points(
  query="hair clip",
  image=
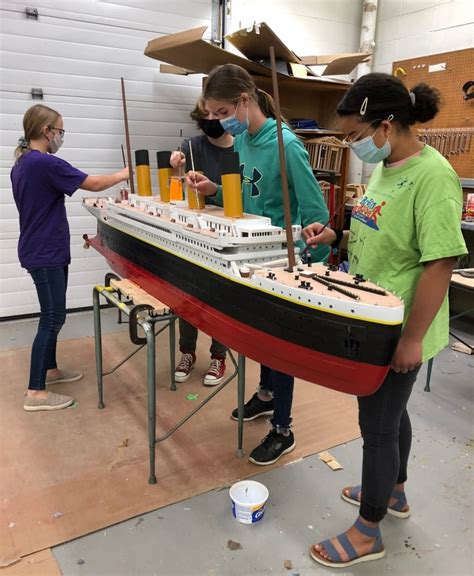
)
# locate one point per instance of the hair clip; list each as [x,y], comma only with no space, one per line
[412,98]
[363,107]
[390,117]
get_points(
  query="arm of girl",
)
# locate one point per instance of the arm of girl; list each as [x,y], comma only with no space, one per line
[102,182]
[306,188]
[430,294]
[307,192]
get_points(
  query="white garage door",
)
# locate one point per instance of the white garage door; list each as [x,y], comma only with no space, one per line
[76,51]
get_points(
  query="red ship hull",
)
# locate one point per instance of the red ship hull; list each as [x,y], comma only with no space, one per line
[345,375]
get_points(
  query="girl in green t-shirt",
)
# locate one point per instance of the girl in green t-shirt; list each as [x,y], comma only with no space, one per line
[405,235]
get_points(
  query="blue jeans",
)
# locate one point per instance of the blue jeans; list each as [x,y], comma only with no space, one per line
[281,387]
[386,430]
[51,285]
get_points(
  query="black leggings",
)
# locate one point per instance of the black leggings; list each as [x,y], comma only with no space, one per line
[386,430]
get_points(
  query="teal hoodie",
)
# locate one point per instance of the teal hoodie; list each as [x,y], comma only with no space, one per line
[261,180]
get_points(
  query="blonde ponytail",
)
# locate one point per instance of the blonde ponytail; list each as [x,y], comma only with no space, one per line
[34,120]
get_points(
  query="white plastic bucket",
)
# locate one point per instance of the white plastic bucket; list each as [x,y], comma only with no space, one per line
[248,501]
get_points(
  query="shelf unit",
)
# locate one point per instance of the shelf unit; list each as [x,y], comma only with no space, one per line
[316,99]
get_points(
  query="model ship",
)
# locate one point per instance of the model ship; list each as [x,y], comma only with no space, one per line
[227,274]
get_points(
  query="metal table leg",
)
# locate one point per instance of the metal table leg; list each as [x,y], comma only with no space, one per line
[98,345]
[428,375]
[151,396]
[172,341]
[240,403]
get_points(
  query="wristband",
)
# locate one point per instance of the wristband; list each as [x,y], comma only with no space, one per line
[339,236]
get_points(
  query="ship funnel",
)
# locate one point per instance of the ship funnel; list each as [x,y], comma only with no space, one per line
[142,162]
[164,174]
[231,185]
[196,201]
[176,188]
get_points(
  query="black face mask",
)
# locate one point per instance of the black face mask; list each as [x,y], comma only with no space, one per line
[211,128]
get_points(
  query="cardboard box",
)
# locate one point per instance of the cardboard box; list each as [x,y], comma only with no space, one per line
[337,64]
[188,52]
[255,42]
[302,94]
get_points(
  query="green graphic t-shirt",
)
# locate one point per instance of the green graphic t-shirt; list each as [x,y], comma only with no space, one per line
[409,215]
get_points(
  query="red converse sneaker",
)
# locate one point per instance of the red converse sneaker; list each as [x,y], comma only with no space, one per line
[215,373]
[184,368]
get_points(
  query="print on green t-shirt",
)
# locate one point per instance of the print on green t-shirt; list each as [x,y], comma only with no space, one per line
[409,215]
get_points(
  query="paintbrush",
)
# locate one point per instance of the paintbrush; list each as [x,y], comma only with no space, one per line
[181,152]
[196,191]
[192,163]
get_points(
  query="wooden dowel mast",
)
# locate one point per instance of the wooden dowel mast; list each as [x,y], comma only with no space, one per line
[284,178]
[127,138]
[124,161]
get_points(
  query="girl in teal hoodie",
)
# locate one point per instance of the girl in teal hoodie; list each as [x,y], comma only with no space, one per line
[248,113]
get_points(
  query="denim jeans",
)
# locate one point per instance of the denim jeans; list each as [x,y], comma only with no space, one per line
[188,339]
[281,387]
[386,430]
[51,285]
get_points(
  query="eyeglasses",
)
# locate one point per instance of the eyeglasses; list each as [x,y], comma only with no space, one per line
[350,139]
[60,130]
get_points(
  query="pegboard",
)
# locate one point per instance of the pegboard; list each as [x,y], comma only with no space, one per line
[447,72]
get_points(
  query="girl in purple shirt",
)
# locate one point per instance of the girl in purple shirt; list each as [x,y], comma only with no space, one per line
[40,182]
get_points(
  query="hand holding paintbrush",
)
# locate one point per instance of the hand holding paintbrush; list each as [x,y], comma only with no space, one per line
[315,232]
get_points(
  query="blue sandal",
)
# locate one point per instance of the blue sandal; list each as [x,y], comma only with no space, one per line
[377,552]
[395,510]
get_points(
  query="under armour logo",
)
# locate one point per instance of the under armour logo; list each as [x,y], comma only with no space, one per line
[256,177]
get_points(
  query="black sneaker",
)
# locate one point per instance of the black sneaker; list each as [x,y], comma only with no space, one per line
[273,446]
[255,408]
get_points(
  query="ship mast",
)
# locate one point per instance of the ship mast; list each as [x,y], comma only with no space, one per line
[284,177]
[127,138]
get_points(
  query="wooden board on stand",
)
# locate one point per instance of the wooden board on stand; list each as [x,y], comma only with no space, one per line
[133,292]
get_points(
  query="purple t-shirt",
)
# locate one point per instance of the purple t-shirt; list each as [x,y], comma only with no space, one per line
[39,182]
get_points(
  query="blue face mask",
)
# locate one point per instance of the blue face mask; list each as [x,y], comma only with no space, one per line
[368,151]
[233,125]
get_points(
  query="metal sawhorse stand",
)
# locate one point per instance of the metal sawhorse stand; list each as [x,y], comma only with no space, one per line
[143,315]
